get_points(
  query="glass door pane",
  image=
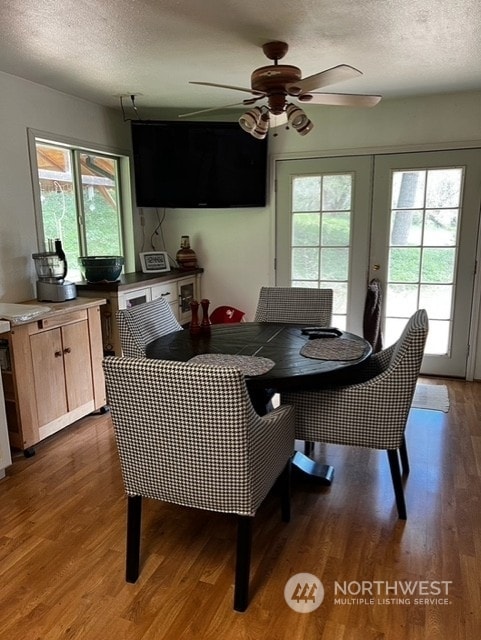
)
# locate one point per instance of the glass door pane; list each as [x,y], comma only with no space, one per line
[323,232]
[425,225]
[423,246]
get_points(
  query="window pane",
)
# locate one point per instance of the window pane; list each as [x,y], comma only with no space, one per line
[436,299]
[408,189]
[100,202]
[305,229]
[404,265]
[441,227]
[438,265]
[402,300]
[306,193]
[339,297]
[334,264]
[336,229]
[57,201]
[305,264]
[406,228]
[336,192]
[443,188]
[438,337]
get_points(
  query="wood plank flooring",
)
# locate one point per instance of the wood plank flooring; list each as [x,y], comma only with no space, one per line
[62,532]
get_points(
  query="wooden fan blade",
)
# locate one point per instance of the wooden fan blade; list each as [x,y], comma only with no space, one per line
[228,86]
[340,99]
[249,101]
[322,79]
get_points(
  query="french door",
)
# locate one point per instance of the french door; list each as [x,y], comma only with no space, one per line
[409,219]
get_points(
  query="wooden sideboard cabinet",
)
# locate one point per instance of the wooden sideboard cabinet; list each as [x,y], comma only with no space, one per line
[55,374]
[177,287]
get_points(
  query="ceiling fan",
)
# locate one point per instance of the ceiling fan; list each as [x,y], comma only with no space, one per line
[276,83]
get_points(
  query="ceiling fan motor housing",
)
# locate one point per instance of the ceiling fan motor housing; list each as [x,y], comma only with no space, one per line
[272,81]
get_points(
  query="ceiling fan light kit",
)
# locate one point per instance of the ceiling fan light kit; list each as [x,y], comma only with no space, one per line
[277,82]
[249,120]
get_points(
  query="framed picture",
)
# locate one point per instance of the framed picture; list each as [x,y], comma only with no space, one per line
[154,261]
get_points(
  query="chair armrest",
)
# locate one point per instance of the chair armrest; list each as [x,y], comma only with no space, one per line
[271,444]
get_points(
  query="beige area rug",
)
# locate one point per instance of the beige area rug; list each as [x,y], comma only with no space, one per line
[431,396]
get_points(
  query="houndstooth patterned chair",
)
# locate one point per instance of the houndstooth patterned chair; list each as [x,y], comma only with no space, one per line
[143,323]
[188,434]
[297,305]
[373,411]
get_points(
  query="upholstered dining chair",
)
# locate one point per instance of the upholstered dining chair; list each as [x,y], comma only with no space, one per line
[372,411]
[187,434]
[143,323]
[297,305]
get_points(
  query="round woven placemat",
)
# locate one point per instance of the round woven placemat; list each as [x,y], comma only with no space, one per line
[249,365]
[333,349]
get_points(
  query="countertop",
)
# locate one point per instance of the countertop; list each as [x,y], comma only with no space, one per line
[54,308]
[128,280]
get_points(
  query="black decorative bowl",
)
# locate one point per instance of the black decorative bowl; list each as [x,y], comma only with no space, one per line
[101,268]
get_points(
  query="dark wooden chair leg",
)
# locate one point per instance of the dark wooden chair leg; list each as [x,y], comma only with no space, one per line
[403,452]
[134,518]
[285,492]
[393,457]
[243,562]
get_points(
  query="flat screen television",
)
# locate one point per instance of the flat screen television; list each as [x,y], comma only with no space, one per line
[198,164]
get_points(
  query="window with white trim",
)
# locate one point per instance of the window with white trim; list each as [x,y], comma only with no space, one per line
[79,193]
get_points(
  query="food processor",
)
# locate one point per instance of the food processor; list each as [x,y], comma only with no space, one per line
[51,267]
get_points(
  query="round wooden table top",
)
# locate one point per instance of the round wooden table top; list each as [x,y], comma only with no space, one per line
[281,343]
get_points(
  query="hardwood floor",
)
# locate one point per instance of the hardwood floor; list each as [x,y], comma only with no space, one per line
[62,533]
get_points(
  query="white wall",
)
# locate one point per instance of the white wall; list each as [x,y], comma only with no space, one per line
[28,105]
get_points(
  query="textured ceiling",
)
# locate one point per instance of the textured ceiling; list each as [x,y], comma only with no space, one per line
[99,49]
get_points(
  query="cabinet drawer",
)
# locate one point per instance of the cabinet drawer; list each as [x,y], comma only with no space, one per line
[58,320]
[168,291]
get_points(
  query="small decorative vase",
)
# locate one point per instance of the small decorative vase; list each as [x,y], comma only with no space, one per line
[205,324]
[194,326]
[186,258]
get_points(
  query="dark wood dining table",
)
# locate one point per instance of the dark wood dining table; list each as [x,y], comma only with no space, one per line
[280,343]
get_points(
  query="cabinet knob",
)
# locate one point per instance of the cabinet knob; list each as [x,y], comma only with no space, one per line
[58,354]
[67,350]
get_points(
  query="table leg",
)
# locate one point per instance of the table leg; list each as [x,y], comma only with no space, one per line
[312,470]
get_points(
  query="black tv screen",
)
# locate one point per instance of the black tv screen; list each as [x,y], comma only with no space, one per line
[198,164]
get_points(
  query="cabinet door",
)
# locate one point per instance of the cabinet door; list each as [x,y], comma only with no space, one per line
[48,374]
[78,368]
[187,292]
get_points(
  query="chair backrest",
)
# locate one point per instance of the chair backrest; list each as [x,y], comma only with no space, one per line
[143,323]
[186,433]
[296,305]
[225,314]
